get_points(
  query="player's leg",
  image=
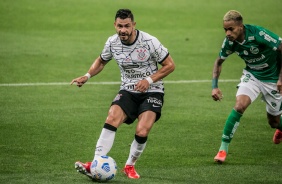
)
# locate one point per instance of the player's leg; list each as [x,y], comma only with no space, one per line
[144,125]
[276,122]
[231,125]
[149,112]
[115,118]
[274,109]
[247,92]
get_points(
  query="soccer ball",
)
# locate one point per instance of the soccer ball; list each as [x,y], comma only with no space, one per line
[103,168]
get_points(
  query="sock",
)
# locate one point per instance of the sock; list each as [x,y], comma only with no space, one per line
[230,127]
[106,140]
[136,149]
[224,146]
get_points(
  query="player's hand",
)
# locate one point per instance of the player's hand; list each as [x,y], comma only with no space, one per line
[216,94]
[142,86]
[279,86]
[80,81]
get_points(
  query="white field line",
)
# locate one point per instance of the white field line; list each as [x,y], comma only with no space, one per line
[106,83]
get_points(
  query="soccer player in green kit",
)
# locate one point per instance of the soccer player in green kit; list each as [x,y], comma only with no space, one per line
[261,51]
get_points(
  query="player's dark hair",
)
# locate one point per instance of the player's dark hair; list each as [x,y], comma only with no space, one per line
[124,13]
[239,18]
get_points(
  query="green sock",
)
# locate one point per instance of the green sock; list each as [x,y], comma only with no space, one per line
[230,127]
[224,146]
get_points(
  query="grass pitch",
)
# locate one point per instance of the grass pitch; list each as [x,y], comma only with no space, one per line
[44,129]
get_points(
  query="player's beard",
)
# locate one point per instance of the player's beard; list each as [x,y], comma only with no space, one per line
[230,38]
[124,37]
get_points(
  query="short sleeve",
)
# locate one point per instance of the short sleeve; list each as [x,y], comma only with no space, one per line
[268,38]
[226,49]
[106,54]
[160,53]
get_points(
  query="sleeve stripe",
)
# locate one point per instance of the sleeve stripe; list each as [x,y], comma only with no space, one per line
[103,59]
[164,58]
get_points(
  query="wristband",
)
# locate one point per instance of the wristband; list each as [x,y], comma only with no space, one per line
[214,83]
[150,80]
[87,75]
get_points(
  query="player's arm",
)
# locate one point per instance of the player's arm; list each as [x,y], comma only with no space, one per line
[216,93]
[96,67]
[168,66]
[279,82]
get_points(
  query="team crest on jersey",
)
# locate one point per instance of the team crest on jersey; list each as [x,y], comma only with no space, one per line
[141,54]
[254,50]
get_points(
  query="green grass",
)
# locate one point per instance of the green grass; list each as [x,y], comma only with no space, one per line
[45,129]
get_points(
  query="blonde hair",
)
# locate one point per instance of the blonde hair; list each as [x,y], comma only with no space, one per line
[233,15]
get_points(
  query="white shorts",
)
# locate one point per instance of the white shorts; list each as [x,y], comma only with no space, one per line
[252,87]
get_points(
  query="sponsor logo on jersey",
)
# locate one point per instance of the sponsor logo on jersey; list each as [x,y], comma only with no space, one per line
[254,50]
[130,66]
[258,67]
[132,74]
[255,59]
[250,38]
[267,37]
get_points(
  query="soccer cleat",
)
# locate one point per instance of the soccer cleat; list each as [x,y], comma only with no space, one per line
[220,157]
[277,138]
[83,168]
[130,172]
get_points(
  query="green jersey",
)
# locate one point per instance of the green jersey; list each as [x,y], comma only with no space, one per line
[258,50]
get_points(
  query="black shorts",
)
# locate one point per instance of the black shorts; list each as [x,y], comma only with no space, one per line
[133,104]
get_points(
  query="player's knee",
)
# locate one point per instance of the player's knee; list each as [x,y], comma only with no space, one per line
[240,108]
[142,133]
[242,103]
[114,121]
[110,119]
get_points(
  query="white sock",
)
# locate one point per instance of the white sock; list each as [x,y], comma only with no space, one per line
[136,150]
[105,142]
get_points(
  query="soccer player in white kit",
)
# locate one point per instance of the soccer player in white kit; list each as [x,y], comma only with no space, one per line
[261,51]
[138,55]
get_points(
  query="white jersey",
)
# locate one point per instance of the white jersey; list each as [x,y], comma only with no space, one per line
[137,60]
